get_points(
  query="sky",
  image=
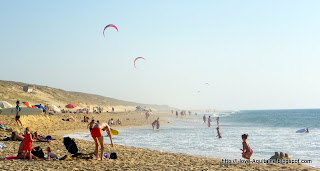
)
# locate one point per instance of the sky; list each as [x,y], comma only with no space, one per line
[254,54]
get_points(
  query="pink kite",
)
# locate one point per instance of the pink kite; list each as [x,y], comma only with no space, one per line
[110,25]
[134,62]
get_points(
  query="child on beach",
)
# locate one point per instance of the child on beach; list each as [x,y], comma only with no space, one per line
[50,154]
[27,144]
[246,149]
[218,132]
[18,109]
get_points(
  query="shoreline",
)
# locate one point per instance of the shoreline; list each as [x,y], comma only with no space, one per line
[129,157]
[226,160]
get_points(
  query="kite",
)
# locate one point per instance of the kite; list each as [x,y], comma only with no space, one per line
[134,62]
[110,25]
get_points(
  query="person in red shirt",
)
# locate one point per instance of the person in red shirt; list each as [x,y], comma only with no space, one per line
[27,144]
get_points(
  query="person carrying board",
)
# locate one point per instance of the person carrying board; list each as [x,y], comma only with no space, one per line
[18,109]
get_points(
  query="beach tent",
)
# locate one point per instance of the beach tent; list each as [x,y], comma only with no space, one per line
[53,107]
[70,106]
[4,104]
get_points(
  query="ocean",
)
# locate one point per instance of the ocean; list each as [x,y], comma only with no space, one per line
[269,131]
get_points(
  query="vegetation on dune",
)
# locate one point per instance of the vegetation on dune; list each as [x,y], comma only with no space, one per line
[11,91]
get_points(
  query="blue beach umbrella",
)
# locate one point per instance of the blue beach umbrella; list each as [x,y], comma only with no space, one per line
[39,106]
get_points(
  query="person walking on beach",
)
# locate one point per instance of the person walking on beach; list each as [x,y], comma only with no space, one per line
[209,121]
[97,136]
[204,119]
[246,149]
[177,114]
[218,121]
[156,123]
[18,109]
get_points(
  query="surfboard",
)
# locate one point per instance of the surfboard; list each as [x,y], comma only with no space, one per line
[23,111]
[301,131]
[114,132]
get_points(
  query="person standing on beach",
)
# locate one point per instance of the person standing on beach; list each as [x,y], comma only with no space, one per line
[156,123]
[218,120]
[177,114]
[97,136]
[147,115]
[209,121]
[246,149]
[27,144]
[18,109]
[204,119]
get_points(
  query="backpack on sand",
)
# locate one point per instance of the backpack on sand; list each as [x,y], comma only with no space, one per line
[113,156]
[70,145]
[37,151]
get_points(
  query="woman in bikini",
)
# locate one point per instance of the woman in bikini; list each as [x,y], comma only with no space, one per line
[246,149]
[97,136]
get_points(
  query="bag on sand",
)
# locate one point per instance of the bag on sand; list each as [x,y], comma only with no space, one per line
[37,151]
[70,145]
[113,156]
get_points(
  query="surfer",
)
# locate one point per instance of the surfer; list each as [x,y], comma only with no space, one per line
[246,149]
[204,118]
[97,136]
[156,123]
[209,121]
[307,131]
[18,109]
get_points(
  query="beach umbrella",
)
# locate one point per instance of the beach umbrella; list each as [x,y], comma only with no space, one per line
[70,106]
[34,106]
[27,104]
[4,104]
[40,107]
[53,107]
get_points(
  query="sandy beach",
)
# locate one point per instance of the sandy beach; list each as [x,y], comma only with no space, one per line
[129,158]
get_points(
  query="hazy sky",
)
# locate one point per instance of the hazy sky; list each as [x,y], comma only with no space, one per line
[255,54]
